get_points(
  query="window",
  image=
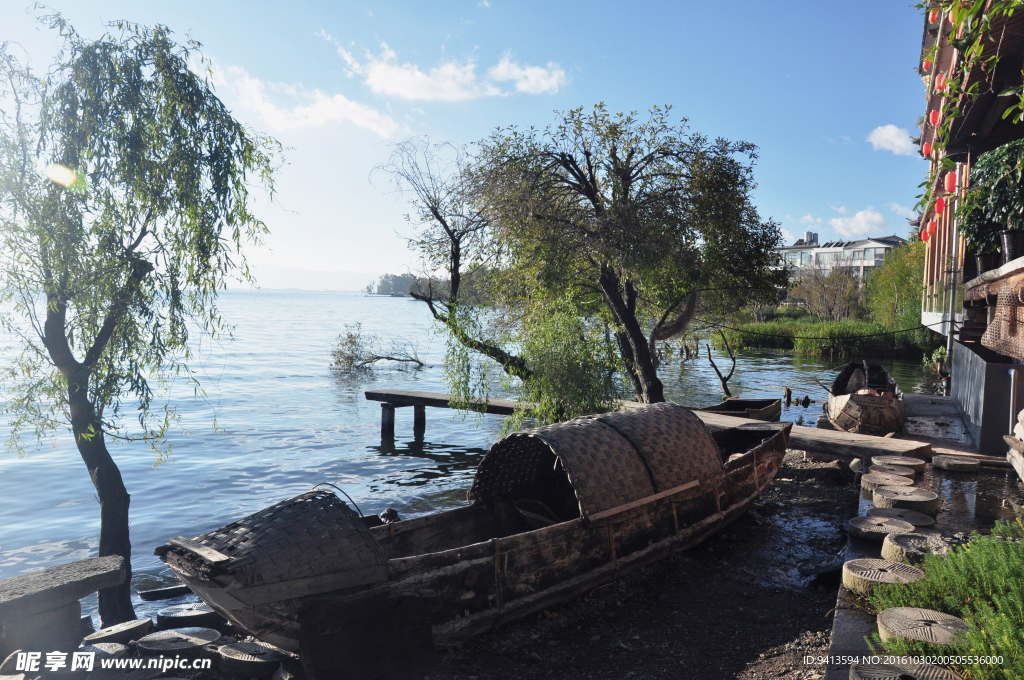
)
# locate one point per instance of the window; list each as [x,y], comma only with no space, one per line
[792,258]
[805,258]
[858,254]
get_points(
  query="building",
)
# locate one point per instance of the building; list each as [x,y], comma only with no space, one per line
[980,321]
[862,255]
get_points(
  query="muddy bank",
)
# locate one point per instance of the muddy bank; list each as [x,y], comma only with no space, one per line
[744,604]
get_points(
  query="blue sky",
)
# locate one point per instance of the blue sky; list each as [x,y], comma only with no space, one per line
[810,83]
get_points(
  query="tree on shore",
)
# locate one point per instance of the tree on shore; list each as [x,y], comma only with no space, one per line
[829,294]
[114,256]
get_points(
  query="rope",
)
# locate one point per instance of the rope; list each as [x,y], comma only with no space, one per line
[342,491]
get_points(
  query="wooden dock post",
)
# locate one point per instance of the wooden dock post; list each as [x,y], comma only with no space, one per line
[419,421]
[387,421]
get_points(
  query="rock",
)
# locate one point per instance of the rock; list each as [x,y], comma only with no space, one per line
[873,480]
[121,633]
[897,470]
[861,576]
[877,528]
[535,657]
[913,547]
[956,463]
[857,465]
[906,498]
[596,638]
[926,625]
[164,593]
[918,519]
[106,650]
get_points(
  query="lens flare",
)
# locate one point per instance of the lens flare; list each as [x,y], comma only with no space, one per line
[58,174]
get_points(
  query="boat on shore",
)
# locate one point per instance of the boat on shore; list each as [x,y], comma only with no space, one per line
[768,410]
[865,399]
[553,513]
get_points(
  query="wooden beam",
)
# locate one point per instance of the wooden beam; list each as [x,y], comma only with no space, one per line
[58,586]
[197,548]
[503,407]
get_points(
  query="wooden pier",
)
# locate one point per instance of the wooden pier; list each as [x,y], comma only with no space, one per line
[811,439]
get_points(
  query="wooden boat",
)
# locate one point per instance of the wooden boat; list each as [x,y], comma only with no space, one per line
[865,399]
[768,410]
[553,513]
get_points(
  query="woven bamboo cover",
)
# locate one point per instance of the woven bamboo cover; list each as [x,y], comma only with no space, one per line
[1006,332]
[674,443]
[605,467]
[309,535]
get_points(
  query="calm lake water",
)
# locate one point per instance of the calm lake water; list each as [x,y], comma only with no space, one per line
[290,422]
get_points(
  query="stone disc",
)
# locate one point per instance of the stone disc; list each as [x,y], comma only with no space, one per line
[915,464]
[861,576]
[897,470]
[115,674]
[918,519]
[165,593]
[122,633]
[251,659]
[192,615]
[956,463]
[900,672]
[877,528]
[912,547]
[906,498]
[177,640]
[873,480]
[106,650]
[926,625]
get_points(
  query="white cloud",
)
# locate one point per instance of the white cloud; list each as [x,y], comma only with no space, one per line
[901,210]
[892,138]
[451,81]
[808,219]
[483,3]
[528,79]
[787,236]
[314,109]
[864,222]
[841,209]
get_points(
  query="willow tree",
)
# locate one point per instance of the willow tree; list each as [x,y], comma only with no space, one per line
[124,203]
[636,217]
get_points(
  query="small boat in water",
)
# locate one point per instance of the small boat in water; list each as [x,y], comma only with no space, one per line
[553,513]
[768,410]
[865,399]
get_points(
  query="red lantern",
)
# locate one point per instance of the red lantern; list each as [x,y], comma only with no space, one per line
[950,185]
[926,64]
[940,81]
[933,117]
[940,206]
[924,236]
[933,16]
[931,226]
[926,150]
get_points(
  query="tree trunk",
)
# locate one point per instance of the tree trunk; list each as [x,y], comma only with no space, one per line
[115,604]
[633,343]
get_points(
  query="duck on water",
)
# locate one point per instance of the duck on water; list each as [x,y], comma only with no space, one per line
[553,513]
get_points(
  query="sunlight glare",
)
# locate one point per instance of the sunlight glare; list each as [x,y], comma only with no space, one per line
[60,174]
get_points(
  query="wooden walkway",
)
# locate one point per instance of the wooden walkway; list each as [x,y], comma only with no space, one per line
[811,439]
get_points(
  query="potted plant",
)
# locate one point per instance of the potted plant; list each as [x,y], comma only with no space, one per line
[982,236]
[994,206]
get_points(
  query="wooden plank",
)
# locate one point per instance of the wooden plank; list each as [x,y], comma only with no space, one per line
[1017,461]
[643,501]
[55,587]
[196,548]
[314,585]
[411,398]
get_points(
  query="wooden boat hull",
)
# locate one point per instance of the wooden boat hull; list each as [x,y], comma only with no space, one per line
[480,585]
[768,410]
[865,414]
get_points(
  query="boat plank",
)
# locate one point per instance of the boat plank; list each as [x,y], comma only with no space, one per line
[207,553]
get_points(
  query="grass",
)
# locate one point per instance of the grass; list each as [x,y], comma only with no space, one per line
[829,338]
[982,583]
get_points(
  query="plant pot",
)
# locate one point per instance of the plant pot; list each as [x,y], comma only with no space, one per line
[1013,244]
[970,266]
[987,262]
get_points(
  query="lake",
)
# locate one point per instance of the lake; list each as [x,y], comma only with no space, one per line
[290,422]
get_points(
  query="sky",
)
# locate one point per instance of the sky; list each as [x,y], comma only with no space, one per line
[828,92]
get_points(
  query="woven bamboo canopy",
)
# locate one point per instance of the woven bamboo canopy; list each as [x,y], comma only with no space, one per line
[610,459]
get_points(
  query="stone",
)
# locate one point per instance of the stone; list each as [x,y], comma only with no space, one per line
[918,519]
[907,498]
[897,470]
[55,587]
[178,641]
[251,659]
[192,615]
[873,480]
[926,625]
[915,464]
[913,547]
[122,633]
[877,528]
[860,576]
[54,629]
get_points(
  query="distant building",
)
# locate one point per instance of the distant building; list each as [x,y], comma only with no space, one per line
[862,255]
